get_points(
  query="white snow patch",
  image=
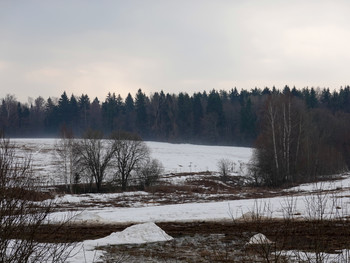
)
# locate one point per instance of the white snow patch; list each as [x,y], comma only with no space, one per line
[259,239]
[342,183]
[136,234]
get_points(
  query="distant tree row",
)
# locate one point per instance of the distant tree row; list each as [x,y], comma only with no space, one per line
[218,117]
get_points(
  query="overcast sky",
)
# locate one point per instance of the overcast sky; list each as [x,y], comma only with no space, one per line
[95,47]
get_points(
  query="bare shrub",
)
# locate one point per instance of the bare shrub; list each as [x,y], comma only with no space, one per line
[260,248]
[20,217]
[149,172]
[289,207]
[224,167]
[252,176]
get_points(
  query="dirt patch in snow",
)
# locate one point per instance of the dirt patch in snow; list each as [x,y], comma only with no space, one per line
[226,242]
[301,235]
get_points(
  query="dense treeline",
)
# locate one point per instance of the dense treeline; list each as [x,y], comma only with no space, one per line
[217,117]
[299,142]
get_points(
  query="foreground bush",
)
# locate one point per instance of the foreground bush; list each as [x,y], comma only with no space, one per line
[20,218]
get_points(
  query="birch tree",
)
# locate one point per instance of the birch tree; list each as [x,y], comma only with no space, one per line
[278,145]
[66,150]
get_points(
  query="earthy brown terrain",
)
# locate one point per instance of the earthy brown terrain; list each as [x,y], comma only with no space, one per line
[209,241]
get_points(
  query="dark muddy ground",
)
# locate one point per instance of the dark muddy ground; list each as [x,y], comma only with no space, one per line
[213,241]
[226,242]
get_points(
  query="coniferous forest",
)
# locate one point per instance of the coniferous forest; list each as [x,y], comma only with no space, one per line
[215,117]
[297,134]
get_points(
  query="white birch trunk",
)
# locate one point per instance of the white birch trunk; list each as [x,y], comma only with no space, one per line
[272,116]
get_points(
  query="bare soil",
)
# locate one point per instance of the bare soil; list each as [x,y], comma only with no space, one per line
[294,234]
[212,241]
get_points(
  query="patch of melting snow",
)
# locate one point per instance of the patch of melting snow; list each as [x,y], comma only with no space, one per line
[69,198]
[259,239]
[341,181]
[136,234]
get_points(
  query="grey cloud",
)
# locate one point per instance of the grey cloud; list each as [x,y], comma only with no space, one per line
[172,45]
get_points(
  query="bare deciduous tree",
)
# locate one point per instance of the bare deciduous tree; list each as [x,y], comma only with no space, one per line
[122,156]
[94,156]
[130,152]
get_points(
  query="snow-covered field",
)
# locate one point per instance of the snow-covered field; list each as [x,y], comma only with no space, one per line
[304,205]
[327,200]
[175,158]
